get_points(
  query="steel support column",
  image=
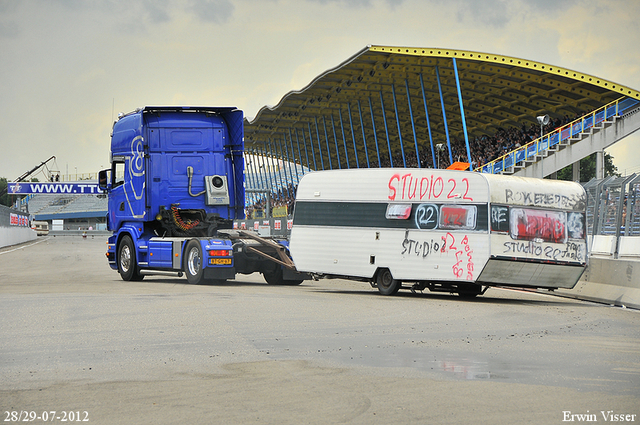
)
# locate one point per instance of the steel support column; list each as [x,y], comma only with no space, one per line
[315,165]
[289,161]
[464,121]
[413,126]
[326,138]
[293,155]
[284,168]
[353,136]
[319,144]
[274,156]
[395,107]
[386,129]
[364,138]
[426,113]
[375,136]
[335,139]
[444,115]
[344,139]
[306,153]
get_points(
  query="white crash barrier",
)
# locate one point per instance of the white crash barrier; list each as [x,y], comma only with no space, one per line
[15,235]
[608,281]
[629,247]
[603,245]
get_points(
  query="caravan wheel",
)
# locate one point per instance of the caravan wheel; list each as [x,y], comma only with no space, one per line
[387,285]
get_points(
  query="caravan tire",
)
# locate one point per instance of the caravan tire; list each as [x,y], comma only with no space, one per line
[387,285]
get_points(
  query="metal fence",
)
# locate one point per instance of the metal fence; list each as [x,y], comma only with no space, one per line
[613,215]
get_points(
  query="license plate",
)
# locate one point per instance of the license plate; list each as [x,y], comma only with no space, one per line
[220,261]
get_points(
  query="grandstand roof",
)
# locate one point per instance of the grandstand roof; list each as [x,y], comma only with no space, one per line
[497,92]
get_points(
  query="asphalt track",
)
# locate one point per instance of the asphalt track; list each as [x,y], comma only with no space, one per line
[76,338]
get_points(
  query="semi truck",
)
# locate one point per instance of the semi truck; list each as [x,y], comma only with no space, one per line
[175,185]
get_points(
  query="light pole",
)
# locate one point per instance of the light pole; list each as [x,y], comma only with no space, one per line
[543,120]
[439,148]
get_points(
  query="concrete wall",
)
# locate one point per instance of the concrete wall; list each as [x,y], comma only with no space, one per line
[11,234]
[609,281]
[15,235]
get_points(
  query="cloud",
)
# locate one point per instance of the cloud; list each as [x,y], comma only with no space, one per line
[213,11]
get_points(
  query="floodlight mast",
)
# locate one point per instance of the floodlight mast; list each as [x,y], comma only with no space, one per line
[543,120]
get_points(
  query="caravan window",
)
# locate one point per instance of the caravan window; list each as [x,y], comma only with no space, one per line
[538,225]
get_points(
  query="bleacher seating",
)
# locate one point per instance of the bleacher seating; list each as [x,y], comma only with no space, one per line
[61,204]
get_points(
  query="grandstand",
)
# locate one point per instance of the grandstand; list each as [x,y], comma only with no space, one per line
[74,212]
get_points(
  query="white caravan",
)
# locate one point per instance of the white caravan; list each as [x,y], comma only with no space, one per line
[453,231]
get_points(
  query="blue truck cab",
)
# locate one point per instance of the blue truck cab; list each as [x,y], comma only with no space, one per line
[175,186]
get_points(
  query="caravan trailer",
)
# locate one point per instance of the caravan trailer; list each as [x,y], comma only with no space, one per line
[442,230]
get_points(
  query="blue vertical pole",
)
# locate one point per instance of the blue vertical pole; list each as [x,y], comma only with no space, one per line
[335,139]
[293,155]
[283,152]
[375,136]
[395,107]
[286,151]
[306,153]
[280,170]
[344,139]
[386,129]
[326,138]
[464,122]
[413,126]
[247,179]
[364,138]
[313,152]
[254,159]
[274,158]
[264,173]
[444,116]
[295,166]
[426,113]
[353,136]
[319,145]
[273,180]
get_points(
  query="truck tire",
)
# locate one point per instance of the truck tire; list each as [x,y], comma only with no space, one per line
[275,278]
[127,264]
[192,262]
[387,285]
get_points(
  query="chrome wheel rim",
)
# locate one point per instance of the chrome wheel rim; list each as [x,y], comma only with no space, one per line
[125,258]
[193,262]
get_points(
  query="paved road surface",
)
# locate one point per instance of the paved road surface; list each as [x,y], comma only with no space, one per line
[74,337]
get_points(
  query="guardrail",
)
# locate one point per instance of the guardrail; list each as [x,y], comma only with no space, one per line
[558,136]
[613,216]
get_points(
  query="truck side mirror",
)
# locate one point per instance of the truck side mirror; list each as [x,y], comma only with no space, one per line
[103,180]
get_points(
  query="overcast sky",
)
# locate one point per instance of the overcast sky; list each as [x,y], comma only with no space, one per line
[69,66]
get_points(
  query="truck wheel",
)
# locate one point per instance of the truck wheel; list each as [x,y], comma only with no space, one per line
[387,285]
[127,265]
[275,278]
[193,262]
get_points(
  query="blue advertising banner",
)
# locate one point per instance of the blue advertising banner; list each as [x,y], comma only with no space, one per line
[52,188]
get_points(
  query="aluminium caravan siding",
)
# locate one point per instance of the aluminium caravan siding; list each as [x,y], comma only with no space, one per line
[341,227]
